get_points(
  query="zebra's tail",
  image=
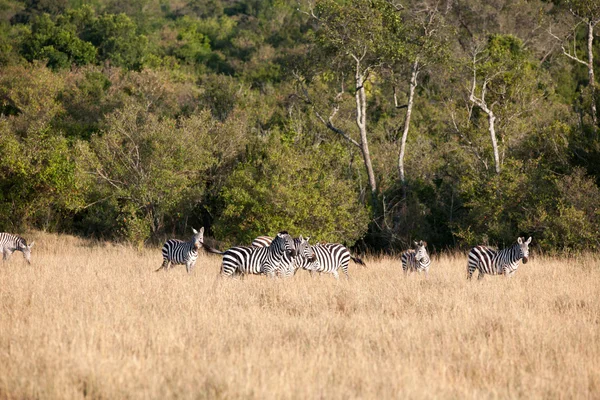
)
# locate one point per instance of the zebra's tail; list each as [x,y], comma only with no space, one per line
[211,249]
[358,261]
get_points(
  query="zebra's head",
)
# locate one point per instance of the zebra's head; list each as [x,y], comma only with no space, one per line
[420,250]
[285,243]
[198,238]
[27,251]
[524,248]
[304,249]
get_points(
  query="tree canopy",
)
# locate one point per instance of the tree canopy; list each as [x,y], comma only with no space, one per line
[370,123]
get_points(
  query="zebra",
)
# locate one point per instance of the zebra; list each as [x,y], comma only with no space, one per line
[303,251]
[495,262]
[416,259]
[9,243]
[329,257]
[176,251]
[243,260]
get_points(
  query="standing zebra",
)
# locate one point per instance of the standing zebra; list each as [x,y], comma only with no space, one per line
[416,259]
[493,262]
[243,260]
[10,243]
[303,251]
[329,257]
[176,251]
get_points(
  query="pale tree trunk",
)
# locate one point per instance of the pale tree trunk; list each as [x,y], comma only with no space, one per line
[492,120]
[361,122]
[411,97]
[590,51]
[481,103]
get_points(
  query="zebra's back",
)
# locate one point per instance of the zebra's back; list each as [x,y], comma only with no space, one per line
[262,241]
[12,241]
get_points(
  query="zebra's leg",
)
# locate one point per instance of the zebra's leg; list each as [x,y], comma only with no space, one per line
[480,276]
[470,270]
[345,269]
[7,254]
[188,267]
[335,275]
[164,265]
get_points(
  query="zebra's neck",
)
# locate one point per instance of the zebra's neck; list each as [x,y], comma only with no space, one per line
[510,255]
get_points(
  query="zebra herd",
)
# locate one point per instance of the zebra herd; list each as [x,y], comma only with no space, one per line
[283,256]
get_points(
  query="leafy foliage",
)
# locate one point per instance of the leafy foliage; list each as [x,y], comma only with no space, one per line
[135,120]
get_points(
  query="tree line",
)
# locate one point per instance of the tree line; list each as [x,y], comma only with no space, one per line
[369,123]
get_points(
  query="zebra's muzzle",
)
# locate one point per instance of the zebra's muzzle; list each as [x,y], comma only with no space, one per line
[292,253]
[525,259]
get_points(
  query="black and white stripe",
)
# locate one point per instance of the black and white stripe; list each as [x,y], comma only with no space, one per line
[9,243]
[303,251]
[262,241]
[244,260]
[417,259]
[493,262]
[176,251]
[329,258]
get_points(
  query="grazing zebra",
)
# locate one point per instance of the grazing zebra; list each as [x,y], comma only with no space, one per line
[329,257]
[494,262]
[262,241]
[416,259]
[243,260]
[176,251]
[10,243]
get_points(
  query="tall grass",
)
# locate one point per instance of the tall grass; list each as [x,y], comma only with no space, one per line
[94,320]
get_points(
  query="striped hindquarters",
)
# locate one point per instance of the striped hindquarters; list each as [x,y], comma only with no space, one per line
[409,262]
[330,258]
[482,259]
[243,260]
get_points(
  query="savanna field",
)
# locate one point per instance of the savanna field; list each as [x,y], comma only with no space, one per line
[91,319]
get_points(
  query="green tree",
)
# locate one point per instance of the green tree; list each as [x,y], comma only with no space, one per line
[147,168]
[283,186]
[116,39]
[40,184]
[57,43]
[353,40]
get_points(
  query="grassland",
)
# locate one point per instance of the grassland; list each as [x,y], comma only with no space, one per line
[94,320]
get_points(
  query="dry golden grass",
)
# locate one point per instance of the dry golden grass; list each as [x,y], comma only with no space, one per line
[96,321]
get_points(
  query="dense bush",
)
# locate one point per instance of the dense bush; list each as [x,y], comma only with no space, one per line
[133,121]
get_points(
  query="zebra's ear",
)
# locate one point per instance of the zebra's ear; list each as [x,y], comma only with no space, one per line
[415,243]
[301,238]
[307,239]
[202,231]
[519,240]
[423,243]
[31,245]
[528,240]
[195,231]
